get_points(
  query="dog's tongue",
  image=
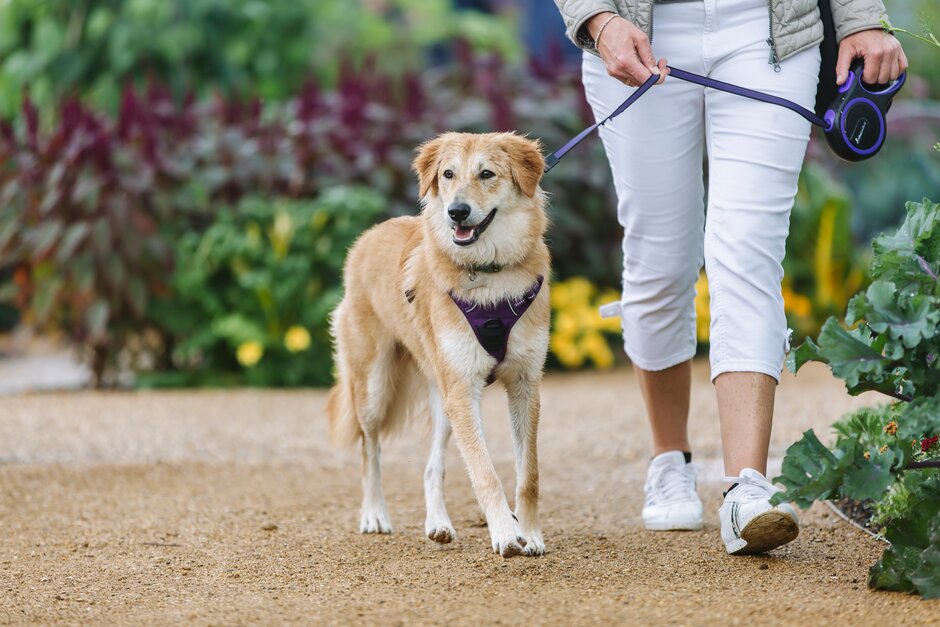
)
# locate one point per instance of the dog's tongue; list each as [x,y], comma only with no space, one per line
[463,232]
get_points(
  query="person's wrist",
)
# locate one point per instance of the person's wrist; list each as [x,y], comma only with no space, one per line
[596,22]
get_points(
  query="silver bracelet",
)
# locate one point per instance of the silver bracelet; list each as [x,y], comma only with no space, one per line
[597,39]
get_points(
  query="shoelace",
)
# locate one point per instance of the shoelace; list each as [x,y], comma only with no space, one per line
[674,483]
[752,486]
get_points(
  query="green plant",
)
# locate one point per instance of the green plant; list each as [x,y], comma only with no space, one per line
[92,48]
[250,298]
[891,345]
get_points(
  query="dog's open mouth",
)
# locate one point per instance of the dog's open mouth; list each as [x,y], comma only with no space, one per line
[465,235]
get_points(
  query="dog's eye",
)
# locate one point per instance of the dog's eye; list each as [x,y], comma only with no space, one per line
[486,174]
[448,174]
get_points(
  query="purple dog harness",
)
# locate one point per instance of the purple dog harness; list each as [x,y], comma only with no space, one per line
[492,323]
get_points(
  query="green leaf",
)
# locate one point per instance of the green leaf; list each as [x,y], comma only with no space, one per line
[869,478]
[927,576]
[921,417]
[850,356]
[805,352]
[810,472]
[910,320]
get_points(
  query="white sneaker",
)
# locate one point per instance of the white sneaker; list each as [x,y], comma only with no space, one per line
[749,523]
[671,501]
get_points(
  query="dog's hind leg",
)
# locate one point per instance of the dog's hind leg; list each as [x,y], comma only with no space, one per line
[437,525]
[524,415]
[372,401]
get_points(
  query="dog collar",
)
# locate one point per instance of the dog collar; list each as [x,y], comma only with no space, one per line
[492,323]
[489,268]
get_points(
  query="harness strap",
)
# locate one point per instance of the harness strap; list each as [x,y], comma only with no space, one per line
[492,323]
[691,77]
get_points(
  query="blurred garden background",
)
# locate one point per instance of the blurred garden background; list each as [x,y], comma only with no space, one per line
[181,178]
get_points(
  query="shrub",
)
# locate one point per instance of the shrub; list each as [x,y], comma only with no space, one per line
[250,297]
[890,455]
[60,48]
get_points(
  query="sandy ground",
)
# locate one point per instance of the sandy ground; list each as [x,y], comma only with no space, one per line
[230,508]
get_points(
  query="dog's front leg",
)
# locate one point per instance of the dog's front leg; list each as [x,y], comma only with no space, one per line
[524,415]
[462,405]
[437,525]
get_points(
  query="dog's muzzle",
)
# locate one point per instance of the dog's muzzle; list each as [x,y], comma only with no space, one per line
[466,234]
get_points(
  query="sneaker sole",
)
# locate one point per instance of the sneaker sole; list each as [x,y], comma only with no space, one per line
[673,526]
[765,532]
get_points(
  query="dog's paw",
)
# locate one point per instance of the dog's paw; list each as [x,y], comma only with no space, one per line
[442,533]
[534,544]
[507,539]
[375,520]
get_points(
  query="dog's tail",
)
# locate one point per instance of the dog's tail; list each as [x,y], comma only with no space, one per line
[403,395]
[409,397]
[344,426]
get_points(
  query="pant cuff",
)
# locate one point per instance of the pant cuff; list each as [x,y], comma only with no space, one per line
[746,365]
[658,364]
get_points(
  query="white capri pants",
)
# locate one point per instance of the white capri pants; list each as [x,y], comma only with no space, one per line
[755,153]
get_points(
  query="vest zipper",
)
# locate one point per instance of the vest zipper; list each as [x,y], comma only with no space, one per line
[774,60]
[652,2]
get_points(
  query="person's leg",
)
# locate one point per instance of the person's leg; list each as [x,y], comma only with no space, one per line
[755,153]
[655,151]
[745,409]
[666,395]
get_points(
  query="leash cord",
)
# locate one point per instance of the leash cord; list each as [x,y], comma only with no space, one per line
[552,160]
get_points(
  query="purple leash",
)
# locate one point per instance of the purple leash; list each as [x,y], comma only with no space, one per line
[556,156]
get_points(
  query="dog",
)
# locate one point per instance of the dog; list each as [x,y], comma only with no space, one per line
[439,305]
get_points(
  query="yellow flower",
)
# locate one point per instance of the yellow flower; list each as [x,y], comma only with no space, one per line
[597,349]
[560,295]
[297,339]
[866,455]
[580,290]
[566,323]
[891,428]
[568,353]
[883,449]
[797,304]
[249,353]
[702,314]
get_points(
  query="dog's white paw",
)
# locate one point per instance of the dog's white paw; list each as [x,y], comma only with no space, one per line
[507,539]
[441,532]
[534,544]
[375,520]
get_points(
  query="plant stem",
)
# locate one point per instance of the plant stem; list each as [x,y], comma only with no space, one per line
[934,463]
[897,395]
[930,39]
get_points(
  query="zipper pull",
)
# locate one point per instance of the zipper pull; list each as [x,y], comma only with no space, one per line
[773,54]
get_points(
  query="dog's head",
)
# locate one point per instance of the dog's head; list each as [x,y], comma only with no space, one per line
[482,201]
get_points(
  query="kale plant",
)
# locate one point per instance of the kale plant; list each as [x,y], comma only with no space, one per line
[890,343]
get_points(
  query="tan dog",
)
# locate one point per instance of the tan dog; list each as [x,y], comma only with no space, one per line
[401,334]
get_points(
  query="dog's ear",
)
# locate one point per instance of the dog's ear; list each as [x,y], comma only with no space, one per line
[526,162]
[426,163]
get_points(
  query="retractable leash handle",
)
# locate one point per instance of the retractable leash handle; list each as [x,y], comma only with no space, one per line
[854,125]
[855,122]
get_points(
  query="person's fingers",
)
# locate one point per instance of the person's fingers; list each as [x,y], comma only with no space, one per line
[873,62]
[663,71]
[634,68]
[645,52]
[846,55]
[903,61]
[888,65]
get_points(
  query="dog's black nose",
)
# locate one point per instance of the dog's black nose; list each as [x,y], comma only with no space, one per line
[459,212]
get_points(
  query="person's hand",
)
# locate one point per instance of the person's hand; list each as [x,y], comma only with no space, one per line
[625,50]
[884,58]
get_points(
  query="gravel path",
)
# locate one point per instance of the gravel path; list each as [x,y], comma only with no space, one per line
[229,507]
